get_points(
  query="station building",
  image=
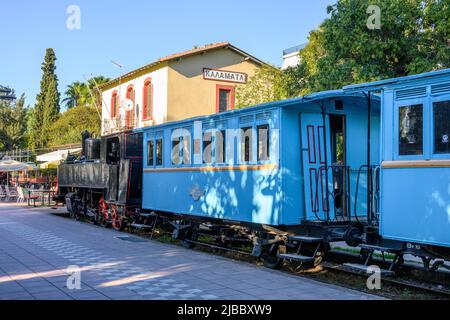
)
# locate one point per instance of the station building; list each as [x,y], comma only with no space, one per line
[196,82]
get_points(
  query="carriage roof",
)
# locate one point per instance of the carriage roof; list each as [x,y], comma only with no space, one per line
[314,97]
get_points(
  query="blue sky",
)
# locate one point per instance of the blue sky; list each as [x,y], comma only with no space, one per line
[135,33]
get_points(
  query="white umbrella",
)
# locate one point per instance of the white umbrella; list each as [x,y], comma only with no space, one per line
[8,165]
[12,165]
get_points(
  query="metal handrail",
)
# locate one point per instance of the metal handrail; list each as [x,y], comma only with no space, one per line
[345,193]
[374,196]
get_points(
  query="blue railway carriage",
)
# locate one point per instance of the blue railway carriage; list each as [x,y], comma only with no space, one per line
[415,165]
[291,176]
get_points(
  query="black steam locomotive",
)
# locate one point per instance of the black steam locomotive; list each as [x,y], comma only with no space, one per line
[105,183]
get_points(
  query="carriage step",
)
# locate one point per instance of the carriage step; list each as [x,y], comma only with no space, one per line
[141,226]
[296,257]
[364,268]
[147,215]
[379,248]
[305,239]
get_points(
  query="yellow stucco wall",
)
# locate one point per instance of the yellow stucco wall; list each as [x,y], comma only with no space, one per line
[190,95]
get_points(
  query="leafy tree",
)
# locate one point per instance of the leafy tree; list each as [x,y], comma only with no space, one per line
[67,129]
[51,110]
[93,84]
[13,124]
[269,84]
[47,102]
[84,93]
[76,95]
[413,38]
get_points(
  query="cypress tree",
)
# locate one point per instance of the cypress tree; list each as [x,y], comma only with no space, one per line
[51,110]
[46,109]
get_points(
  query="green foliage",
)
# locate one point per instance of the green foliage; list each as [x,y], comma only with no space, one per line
[76,95]
[68,127]
[84,93]
[13,123]
[413,38]
[46,109]
[270,84]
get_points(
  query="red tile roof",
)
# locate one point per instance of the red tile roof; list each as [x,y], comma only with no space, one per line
[196,50]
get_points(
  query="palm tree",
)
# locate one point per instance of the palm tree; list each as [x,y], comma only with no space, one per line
[84,93]
[94,93]
[76,95]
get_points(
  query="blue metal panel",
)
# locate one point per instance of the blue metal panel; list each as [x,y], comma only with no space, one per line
[249,196]
[291,163]
[416,205]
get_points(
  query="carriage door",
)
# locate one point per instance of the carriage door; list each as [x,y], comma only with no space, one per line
[316,179]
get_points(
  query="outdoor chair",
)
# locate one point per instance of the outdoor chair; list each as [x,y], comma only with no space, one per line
[2,193]
[26,196]
[11,194]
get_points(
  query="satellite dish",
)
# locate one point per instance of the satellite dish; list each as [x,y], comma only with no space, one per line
[127,104]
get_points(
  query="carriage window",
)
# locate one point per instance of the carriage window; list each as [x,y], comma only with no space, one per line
[263,133]
[150,149]
[186,149]
[221,146]
[176,143]
[411,130]
[207,147]
[441,112]
[159,152]
[246,144]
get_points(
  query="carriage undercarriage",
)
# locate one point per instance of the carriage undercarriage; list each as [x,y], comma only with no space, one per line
[304,245]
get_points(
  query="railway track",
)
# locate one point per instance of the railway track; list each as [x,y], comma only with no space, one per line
[410,276]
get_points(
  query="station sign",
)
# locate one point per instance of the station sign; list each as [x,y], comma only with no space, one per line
[221,75]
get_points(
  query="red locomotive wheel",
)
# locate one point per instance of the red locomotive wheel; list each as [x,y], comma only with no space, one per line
[103,215]
[116,219]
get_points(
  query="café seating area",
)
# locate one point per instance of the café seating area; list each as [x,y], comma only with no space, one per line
[31,194]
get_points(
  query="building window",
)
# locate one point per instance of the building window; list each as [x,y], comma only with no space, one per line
[150,153]
[221,146]
[129,118]
[114,104]
[147,100]
[159,152]
[224,98]
[441,111]
[263,134]
[246,144]
[411,130]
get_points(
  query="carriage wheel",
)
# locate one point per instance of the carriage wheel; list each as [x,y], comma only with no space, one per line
[271,259]
[75,216]
[188,235]
[103,215]
[116,218]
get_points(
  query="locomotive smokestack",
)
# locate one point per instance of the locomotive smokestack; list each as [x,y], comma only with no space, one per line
[84,136]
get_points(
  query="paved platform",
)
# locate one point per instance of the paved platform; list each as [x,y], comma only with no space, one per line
[37,247]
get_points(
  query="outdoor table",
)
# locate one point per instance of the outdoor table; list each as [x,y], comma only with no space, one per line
[43,192]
